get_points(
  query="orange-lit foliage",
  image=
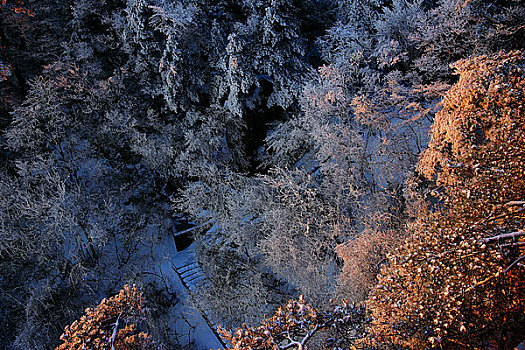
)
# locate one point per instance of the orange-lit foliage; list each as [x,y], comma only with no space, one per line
[448,286]
[109,325]
[5,71]
[293,327]
[365,113]
[363,257]
[17,7]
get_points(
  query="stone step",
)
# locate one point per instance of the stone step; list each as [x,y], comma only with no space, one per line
[193,279]
[190,270]
[190,273]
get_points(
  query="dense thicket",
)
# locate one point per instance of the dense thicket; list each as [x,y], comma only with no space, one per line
[288,130]
[457,282]
[448,284]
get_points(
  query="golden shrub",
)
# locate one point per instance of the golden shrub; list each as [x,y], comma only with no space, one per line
[110,325]
[448,286]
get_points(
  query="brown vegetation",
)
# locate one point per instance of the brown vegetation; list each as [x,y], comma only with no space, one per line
[447,287]
[110,325]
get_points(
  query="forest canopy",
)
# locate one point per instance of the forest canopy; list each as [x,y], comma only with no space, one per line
[357,166]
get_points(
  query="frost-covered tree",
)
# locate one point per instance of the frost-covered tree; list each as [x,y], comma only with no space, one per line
[73,192]
[298,325]
[255,59]
[456,29]
[299,234]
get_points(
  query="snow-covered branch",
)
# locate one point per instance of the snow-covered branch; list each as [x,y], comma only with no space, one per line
[504,236]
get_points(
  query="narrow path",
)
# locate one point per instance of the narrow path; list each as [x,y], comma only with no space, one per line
[183,275]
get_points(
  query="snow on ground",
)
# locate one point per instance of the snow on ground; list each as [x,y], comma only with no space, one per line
[189,323]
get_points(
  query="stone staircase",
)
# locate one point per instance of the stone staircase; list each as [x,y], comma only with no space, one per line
[192,276]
